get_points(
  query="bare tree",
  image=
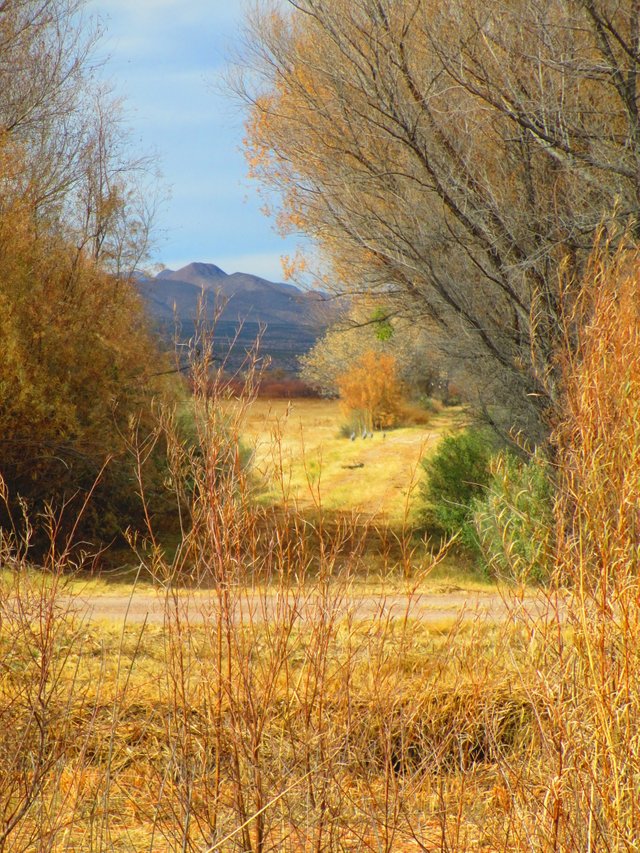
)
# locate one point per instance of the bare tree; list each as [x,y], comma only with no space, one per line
[113,202]
[76,165]
[346,342]
[452,156]
[45,65]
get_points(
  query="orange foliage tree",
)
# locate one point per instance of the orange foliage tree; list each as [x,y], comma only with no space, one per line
[371,392]
[74,220]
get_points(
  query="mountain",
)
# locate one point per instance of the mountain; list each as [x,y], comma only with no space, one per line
[290,319]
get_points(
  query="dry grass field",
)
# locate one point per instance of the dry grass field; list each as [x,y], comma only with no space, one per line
[278,708]
[300,458]
[316,728]
[284,717]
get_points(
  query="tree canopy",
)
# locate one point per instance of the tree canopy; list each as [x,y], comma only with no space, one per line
[77,354]
[453,156]
[371,391]
[361,331]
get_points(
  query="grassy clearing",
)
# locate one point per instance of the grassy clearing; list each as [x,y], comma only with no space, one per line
[301,459]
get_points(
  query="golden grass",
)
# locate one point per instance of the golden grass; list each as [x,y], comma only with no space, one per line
[284,720]
[301,459]
[156,733]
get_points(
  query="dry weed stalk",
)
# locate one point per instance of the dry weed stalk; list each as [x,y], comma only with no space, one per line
[598,511]
[578,790]
[49,708]
[291,725]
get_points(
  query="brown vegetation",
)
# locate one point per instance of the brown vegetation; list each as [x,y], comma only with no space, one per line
[75,369]
[302,726]
[447,157]
[370,391]
[273,385]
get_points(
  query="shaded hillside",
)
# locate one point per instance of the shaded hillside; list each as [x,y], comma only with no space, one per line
[291,320]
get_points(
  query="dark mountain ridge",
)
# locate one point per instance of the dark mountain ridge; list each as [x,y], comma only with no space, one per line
[289,320]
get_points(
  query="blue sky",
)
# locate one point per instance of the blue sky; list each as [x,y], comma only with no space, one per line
[167,59]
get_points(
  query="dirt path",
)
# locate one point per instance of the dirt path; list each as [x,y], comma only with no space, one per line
[427,607]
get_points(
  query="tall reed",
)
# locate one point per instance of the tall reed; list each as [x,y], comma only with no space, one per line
[579,790]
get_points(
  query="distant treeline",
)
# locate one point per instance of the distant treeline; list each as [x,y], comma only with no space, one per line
[273,385]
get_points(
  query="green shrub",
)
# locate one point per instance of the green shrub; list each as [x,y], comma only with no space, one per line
[456,474]
[352,426]
[513,519]
[429,404]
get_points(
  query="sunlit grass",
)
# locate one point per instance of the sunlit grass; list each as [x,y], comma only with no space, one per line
[137,704]
[299,457]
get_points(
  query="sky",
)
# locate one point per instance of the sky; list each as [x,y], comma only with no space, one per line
[167,58]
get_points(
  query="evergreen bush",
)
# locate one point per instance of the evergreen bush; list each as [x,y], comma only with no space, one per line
[513,519]
[455,475]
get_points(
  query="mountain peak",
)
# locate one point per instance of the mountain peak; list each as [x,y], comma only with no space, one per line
[200,269]
[291,316]
[207,276]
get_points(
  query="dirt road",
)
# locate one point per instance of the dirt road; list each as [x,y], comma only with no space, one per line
[428,607]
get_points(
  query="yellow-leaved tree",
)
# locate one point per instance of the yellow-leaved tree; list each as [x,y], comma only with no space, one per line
[371,392]
[74,373]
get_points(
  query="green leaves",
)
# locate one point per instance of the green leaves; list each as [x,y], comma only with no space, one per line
[456,474]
